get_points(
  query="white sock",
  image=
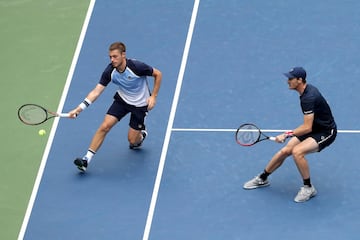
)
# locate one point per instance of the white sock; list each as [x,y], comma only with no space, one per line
[89,155]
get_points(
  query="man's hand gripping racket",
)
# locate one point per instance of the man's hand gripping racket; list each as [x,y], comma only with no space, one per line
[249,134]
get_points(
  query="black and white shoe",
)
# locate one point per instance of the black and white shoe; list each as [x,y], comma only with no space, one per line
[81,164]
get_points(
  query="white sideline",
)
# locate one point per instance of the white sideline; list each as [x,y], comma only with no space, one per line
[170,122]
[56,122]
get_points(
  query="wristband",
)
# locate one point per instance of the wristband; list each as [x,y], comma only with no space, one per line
[289,134]
[85,104]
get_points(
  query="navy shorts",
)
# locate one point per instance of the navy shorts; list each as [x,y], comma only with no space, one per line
[120,108]
[324,139]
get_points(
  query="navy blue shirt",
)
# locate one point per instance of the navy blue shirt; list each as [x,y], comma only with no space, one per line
[313,102]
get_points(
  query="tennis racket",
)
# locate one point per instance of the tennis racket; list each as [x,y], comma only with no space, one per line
[248,134]
[33,114]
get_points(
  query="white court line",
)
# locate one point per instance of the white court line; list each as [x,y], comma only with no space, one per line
[56,122]
[171,122]
[233,130]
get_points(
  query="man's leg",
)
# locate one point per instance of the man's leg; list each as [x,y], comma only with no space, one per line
[96,142]
[275,162]
[137,132]
[307,146]
[105,127]
[278,159]
[134,136]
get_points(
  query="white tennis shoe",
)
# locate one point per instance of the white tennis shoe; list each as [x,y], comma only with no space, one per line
[256,182]
[305,194]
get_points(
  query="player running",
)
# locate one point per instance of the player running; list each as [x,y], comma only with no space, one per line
[133,96]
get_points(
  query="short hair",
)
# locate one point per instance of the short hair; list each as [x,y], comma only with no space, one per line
[118,46]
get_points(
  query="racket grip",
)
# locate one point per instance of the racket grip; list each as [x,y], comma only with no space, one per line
[63,115]
[272,138]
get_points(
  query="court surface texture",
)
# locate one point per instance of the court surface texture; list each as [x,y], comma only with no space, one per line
[222,65]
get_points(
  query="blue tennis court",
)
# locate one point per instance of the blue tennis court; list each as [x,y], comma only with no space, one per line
[222,65]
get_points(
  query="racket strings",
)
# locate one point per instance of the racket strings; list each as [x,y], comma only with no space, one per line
[247,135]
[32,114]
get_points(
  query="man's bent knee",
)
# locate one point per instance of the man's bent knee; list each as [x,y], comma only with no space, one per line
[286,151]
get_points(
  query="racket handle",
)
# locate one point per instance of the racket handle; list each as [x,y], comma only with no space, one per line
[63,115]
[272,138]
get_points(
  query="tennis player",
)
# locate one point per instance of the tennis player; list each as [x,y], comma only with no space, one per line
[316,132]
[133,96]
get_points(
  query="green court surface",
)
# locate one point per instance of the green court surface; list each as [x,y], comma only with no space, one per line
[38,40]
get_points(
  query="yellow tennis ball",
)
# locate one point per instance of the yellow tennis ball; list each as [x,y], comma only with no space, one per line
[42,132]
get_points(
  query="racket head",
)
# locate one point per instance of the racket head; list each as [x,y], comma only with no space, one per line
[247,134]
[32,114]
